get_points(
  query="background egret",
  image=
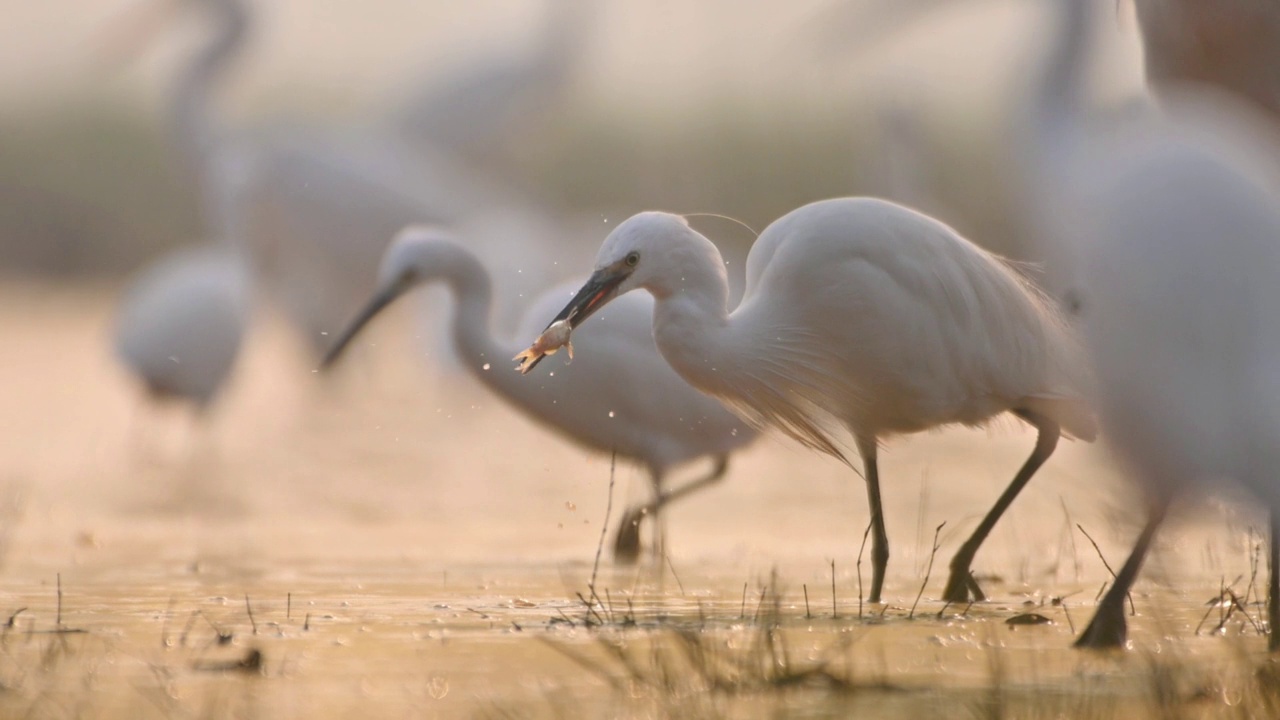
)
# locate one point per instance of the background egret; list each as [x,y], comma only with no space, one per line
[623,398]
[181,324]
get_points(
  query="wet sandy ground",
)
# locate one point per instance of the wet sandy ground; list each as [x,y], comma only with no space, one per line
[409,547]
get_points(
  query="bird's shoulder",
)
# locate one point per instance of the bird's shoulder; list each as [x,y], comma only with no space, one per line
[840,240]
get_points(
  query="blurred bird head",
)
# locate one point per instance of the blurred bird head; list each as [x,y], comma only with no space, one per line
[417,255]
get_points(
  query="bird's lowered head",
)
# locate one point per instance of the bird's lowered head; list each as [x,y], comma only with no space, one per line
[417,255]
[656,251]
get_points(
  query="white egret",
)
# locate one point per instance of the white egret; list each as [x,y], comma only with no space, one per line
[1052,125]
[180,325]
[1180,306]
[664,424]
[858,314]
[326,205]
[325,201]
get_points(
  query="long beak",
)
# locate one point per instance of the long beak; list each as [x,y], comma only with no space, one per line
[599,289]
[379,301]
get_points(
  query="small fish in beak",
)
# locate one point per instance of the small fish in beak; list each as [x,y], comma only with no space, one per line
[556,336]
[599,289]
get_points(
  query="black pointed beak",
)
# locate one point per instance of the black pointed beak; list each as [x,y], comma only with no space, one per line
[379,301]
[595,293]
[599,289]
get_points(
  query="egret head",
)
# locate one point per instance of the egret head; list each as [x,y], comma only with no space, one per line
[642,252]
[418,254]
[656,251]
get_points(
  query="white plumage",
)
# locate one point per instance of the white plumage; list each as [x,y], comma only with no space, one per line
[622,396]
[181,323]
[1181,248]
[859,315]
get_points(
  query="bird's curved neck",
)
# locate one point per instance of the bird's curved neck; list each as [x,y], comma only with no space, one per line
[1061,88]
[691,321]
[484,356]
[194,125]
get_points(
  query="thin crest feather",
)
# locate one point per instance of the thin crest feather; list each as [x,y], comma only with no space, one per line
[734,220]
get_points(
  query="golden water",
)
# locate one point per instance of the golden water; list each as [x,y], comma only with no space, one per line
[411,548]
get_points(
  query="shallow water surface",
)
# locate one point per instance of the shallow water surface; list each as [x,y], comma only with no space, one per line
[395,542]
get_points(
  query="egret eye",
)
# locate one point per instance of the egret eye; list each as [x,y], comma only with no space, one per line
[632,259]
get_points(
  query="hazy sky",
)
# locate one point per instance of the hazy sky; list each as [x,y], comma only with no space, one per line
[642,51]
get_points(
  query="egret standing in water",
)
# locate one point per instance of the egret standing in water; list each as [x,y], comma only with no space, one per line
[181,324]
[858,314]
[1181,313]
[666,424]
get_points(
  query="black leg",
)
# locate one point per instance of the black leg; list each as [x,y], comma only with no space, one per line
[1107,629]
[879,537]
[626,545]
[1273,586]
[961,586]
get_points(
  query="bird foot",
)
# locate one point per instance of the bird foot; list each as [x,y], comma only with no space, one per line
[1106,630]
[626,545]
[962,588]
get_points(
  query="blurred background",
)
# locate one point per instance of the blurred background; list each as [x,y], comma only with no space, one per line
[128,128]
[195,196]
[746,110]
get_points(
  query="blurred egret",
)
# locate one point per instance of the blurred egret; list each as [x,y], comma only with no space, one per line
[858,313]
[325,201]
[1052,123]
[1181,313]
[665,424]
[1125,207]
[181,323]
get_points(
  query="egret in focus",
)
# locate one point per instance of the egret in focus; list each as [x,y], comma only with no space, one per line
[593,401]
[860,315]
[1181,314]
